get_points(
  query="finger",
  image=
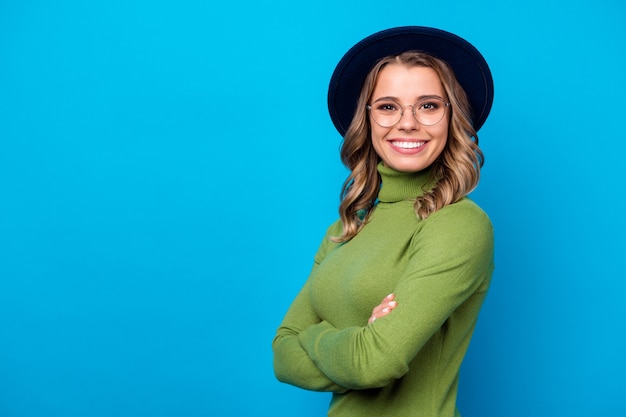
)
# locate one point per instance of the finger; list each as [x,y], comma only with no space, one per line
[386,302]
[385,307]
[388,308]
[382,310]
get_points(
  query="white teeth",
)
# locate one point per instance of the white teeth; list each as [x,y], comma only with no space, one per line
[408,145]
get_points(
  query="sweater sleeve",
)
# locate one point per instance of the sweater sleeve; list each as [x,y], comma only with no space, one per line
[450,258]
[292,363]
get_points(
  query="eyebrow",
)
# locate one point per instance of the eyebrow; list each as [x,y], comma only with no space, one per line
[424,97]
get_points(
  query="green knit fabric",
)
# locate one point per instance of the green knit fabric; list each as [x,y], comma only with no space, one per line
[406,363]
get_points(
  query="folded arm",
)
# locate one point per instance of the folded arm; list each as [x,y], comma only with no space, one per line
[451,259]
[292,363]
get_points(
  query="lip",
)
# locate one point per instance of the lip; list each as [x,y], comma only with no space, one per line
[407,150]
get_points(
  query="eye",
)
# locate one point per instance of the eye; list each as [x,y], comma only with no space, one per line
[428,106]
[388,107]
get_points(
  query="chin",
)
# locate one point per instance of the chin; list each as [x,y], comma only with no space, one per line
[408,167]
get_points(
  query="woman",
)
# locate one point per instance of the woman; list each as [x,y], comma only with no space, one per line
[407,233]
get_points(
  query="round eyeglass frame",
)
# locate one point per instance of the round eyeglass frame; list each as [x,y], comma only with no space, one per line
[445,104]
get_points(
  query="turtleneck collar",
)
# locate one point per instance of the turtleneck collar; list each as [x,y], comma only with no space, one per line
[401,186]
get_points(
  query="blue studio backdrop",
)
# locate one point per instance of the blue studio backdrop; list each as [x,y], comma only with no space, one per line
[168,168]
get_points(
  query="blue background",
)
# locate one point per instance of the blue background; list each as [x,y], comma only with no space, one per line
[168,168]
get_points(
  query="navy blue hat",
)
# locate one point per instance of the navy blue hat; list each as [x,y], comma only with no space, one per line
[468,64]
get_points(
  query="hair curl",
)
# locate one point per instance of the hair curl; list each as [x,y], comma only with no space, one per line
[457,168]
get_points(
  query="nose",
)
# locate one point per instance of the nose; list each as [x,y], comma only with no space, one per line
[407,119]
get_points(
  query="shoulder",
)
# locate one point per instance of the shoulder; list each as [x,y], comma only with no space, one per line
[463,225]
[465,213]
[335,229]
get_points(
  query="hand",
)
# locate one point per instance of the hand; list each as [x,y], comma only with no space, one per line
[384,308]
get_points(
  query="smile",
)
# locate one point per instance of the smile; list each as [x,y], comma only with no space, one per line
[408,145]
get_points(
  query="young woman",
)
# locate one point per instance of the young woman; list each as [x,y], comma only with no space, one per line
[407,234]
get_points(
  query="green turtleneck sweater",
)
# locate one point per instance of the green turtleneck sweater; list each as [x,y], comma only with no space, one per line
[406,363]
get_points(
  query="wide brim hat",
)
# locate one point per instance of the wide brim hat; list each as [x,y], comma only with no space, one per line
[468,64]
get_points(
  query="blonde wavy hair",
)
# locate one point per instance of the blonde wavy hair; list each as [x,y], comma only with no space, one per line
[457,169]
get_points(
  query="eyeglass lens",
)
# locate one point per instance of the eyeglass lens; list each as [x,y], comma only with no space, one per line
[387,112]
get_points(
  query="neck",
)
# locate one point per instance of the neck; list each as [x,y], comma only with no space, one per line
[398,186]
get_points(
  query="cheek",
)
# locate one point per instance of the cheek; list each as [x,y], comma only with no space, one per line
[377,135]
[442,140]
[443,131]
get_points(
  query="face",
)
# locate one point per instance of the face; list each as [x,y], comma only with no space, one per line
[408,146]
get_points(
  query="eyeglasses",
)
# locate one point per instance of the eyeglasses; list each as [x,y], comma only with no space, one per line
[428,112]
